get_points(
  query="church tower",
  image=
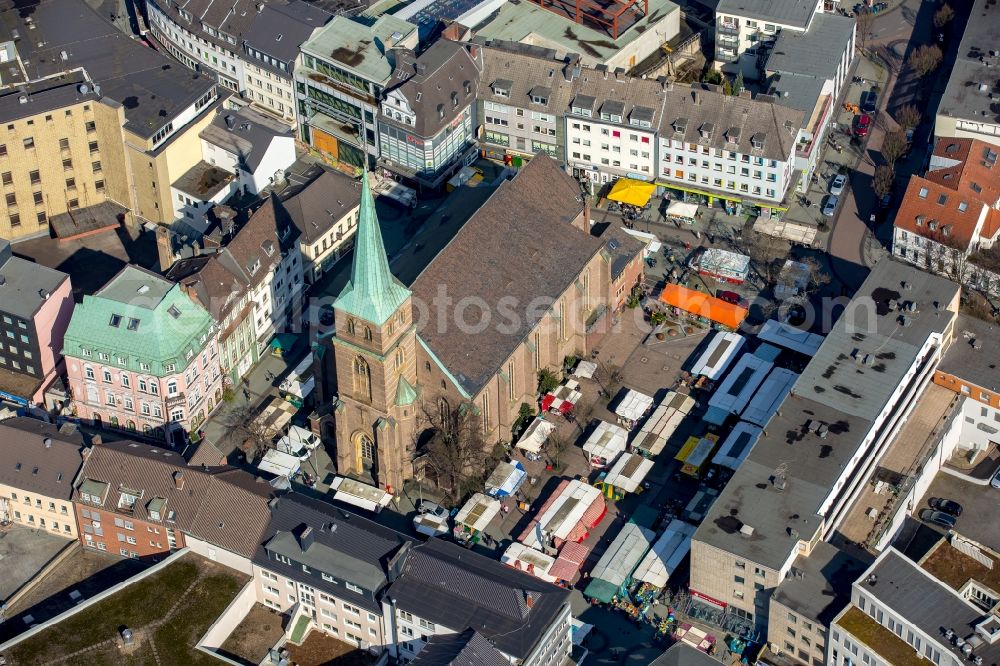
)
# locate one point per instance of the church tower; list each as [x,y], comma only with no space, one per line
[375,349]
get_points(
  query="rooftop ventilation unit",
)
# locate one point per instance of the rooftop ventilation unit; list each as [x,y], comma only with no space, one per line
[746,530]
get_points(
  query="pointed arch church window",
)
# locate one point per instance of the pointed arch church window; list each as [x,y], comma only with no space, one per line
[362,378]
[350,326]
[368,334]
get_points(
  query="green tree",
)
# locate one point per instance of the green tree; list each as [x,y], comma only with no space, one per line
[727,87]
[547,381]
[712,76]
[739,85]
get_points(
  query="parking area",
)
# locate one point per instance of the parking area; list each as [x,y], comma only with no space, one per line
[979,507]
[23,552]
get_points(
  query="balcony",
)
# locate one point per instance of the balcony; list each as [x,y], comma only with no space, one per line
[727,29]
[176,400]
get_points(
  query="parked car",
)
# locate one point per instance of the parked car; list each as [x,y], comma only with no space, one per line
[869,101]
[938,518]
[729,297]
[830,204]
[837,186]
[950,507]
[995,481]
[862,125]
[432,508]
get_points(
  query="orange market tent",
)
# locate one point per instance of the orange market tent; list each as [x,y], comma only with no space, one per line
[634,192]
[703,305]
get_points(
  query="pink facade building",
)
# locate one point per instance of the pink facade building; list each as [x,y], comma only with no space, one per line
[142,356]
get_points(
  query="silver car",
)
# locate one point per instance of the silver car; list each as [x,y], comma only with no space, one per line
[830,205]
[837,186]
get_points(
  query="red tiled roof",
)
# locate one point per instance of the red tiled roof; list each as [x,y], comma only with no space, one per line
[973,173]
[935,211]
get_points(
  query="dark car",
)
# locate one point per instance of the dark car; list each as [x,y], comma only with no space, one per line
[729,297]
[938,518]
[869,101]
[862,125]
[950,507]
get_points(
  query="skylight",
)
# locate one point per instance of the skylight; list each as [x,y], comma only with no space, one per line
[116,320]
[133,324]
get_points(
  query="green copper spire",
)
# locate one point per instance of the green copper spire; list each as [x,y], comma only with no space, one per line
[405,393]
[372,294]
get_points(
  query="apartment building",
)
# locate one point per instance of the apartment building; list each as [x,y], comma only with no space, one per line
[40,466]
[139,501]
[939,610]
[611,126]
[425,122]
[951,214]
[745,31]
[527,621]
[86,108]
[142,356]
[523,98]
[35,307]
[325,212]
[968,107]
[345,68]
[738,149]
[334,565]
[820,447]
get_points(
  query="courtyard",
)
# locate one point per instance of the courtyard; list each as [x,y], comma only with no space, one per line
[23,552]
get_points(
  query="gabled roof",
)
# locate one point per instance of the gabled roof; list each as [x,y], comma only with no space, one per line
[935,211]
[279,30]
[224,506]
[373,293]
[967,166]
[518,69]
[467,648]
[451,587]
[39,458]
[24,285]
[324,201]
[245,133]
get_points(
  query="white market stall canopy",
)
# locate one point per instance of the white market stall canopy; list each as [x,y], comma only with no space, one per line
[663,422]
[769,397]
[633,405]
[355,493]
[623,555]
[665,556]
[505,479]
[535,435]
[585,369]
[721,351]
[628,472]
[567,515]
[682,209]
[790,337]
[733,394]
[606,442]
[737,446]
[478,512]
[281,464]
[536,563]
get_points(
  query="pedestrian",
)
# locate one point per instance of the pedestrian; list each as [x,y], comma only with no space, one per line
[246,395]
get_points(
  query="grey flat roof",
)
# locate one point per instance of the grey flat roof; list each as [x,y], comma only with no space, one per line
[23,281]
[124,287]
[151,87]
[927,603]
[359,47]
[816,52]
[682,654]
[819,586]
[974,355]
[961,98]
[842,392]
[203,181]
[797,91]
[786,12]
[250,135]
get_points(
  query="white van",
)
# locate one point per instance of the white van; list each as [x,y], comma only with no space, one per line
[299,442]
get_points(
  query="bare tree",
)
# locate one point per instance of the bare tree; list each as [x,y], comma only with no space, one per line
[555,447]
[609,376]
[884,180]
[925,59]
[767,253]
[894,146]
[818,277]
[908,116]
[242,429]
[864,21]
[943,16]
[454,448]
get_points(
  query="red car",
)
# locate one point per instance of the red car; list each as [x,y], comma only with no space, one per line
[729,297]
[862,124]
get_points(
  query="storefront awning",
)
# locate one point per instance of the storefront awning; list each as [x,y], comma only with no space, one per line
[632,192]
[682,209]
[701,304]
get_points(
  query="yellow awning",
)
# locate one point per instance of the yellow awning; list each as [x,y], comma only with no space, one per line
[632,192]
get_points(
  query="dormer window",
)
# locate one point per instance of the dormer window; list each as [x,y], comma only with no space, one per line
[502,87]
[641,116]
[932,225]
[757,141]
[540,95]
[919,220]
[706,130]
[254,267]
[454,100]
[733,135]
[680,125]
[440,109]
[268,247]
[583,105]
[612,111]
[467,86]
[116,320]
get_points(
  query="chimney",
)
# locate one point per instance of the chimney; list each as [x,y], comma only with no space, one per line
[96,440]
[230,121]
[306,538]
[164,248]
[179,480]
[529,599]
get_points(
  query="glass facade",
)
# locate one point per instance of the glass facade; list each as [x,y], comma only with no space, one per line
[425,157]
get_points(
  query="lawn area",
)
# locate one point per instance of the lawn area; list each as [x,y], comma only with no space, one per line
[881,641]
[142,607]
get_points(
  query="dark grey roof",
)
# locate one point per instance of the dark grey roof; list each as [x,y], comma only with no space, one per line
[840,390]
[682,654]
[151,87]
[816,52]
[796,91]
[622,247]
[974,355]
[642,113]
[819,586]
[345,545]
[467,648]
[41,96]
[523,247]
[454,588]
[796,13]
[39,458]
[613,107]
[432,83]
[584,101]
[521,70]
[203,181]
[973,66]
[315,208]
[927,604]
[24,285]
[246,133]
[279,30]
[502,84]
[540,91]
